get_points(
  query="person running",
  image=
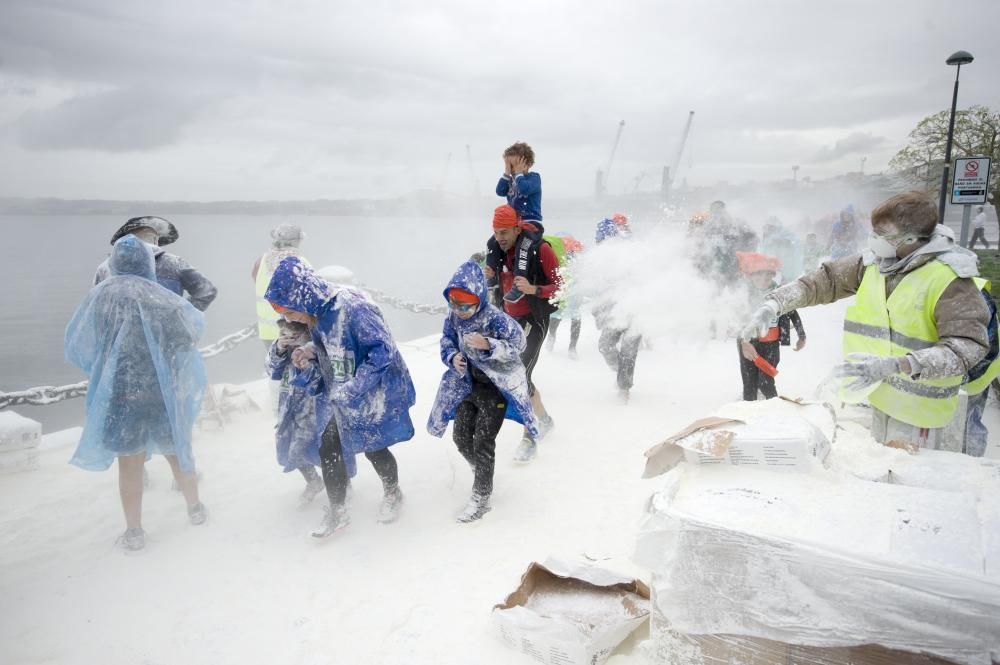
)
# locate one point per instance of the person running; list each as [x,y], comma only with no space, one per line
[760,271]
[917,326]
[523,189]
[618,344]
[539,283]
[485,381]
[567,248]
[979,229]
[172,272]
[285,241]
[364,377]
[136,342]
[297,434]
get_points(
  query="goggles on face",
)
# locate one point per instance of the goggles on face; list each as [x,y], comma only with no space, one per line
[897,239]
[463,307]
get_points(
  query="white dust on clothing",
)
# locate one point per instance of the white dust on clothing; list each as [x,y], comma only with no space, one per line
[249,587]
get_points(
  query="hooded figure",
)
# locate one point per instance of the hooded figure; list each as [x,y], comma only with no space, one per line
[171,271]
[501,364]
[136,342]
[364,375]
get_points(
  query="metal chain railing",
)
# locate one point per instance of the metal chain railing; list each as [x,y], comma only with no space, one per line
[44,395]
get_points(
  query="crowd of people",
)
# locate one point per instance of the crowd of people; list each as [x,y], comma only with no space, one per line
[922,329]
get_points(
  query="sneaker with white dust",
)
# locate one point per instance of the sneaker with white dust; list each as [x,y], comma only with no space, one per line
[573,355]
[197,513]
[623,395]
[391,503]
[526,450]
[546,424]
[313,488]
[334,520]
[513,295]
[477,507]
[132,540]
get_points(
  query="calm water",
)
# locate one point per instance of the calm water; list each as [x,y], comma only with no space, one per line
[48,265]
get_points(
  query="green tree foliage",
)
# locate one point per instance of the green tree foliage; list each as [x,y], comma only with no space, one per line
[977,134]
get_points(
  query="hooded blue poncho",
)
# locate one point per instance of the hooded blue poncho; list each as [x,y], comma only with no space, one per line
[364,376]
[501,363]
[136,342]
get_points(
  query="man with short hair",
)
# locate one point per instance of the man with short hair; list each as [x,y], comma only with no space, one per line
[285,241]
[979,229]
[539,283]
[918,324]
[172,272]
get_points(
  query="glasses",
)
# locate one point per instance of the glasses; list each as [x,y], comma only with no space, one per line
[897,239]
[463,307]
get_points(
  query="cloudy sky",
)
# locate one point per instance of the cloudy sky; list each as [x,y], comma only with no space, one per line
[258,99]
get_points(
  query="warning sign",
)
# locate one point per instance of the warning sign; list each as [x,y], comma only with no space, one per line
[971,181]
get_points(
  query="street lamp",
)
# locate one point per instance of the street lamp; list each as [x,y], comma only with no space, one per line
[958,58]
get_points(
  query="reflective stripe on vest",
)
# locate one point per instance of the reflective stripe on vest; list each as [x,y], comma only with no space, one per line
[981,383]
[896,326]
[267,318]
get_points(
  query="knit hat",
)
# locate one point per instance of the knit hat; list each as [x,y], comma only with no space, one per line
[462,296]
[505,217]
[287,235]
[751,262]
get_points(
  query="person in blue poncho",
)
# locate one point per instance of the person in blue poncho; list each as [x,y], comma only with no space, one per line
[485,381]
[136,342]
[301,415]
[364,378]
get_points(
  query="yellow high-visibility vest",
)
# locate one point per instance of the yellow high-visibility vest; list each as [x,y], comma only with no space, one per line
[267,318]
[993,371]
[895,326]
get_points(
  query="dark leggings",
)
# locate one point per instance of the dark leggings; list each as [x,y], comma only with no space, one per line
[535,330]
[574,331]
[334,467]
[477,422]
[753,378]
[620,358]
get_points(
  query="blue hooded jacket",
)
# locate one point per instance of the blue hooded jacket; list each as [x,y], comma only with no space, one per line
[136,342]
[501,363]
[524,194]
[364,376]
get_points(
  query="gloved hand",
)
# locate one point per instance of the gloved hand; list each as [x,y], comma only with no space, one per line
[760,321]
[867,369]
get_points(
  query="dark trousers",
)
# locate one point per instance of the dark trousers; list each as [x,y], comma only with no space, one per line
[977,235]
[620,348]
[477,422]
[331,456]
[753,378]
[574,331]
[535,329]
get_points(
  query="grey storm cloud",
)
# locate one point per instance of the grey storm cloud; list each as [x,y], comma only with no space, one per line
[125,120]
[853,144]
[300,94]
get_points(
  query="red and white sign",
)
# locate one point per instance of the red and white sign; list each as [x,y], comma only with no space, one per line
[971,181]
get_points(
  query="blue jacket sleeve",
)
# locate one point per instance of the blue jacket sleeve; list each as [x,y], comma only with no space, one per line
[449,341]
[506,339]
[201,292]
[503,185]
[528,184]
[376,343]
[276,362]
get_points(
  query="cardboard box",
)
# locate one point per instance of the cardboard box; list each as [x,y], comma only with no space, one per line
[18,432]
[13,461]
[570,615]
[672,648]
[787,443]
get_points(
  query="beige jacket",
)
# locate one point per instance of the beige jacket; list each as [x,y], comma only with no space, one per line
[961,314]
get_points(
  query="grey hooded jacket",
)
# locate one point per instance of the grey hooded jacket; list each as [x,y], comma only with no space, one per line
[175,274]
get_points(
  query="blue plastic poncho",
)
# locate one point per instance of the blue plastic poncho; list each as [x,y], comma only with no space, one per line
[364,376]
[136,342]
[302,413]
[501,363]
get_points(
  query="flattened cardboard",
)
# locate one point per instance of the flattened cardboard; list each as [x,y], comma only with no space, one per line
[564,640]
[667,454]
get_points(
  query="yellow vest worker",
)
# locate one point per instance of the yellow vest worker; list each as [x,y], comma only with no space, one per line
[285,242]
